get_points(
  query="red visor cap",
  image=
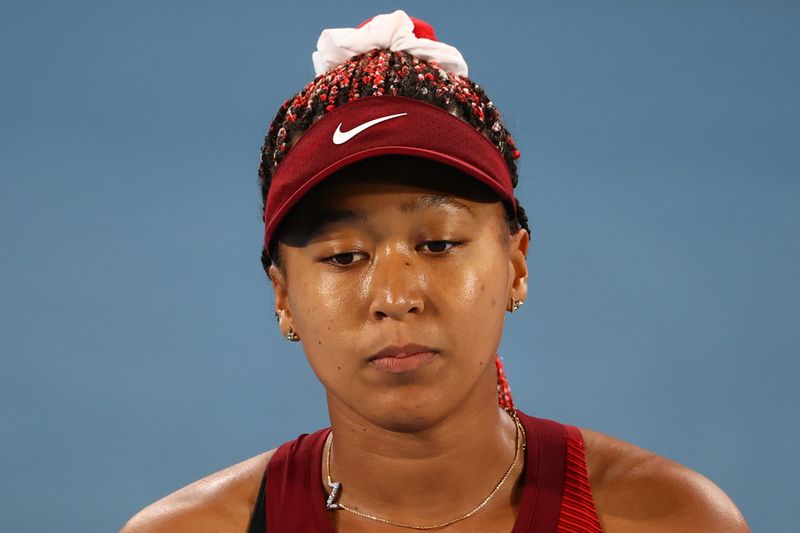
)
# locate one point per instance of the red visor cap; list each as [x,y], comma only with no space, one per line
[379,125]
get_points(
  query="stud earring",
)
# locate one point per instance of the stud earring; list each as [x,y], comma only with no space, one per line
[292,336]
[516,304]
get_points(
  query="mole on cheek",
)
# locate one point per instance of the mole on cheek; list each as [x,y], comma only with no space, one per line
[494,302]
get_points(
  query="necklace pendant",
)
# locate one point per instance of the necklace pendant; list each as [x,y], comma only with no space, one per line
[331,504]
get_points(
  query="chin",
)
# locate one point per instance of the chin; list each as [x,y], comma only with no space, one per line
[408,413]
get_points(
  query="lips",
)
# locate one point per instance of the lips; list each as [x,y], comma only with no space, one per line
[404,358]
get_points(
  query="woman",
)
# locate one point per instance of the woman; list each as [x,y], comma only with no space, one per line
[395,246]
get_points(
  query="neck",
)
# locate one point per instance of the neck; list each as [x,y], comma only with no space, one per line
[426,475]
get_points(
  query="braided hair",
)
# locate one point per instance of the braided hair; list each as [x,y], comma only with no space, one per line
[397,73]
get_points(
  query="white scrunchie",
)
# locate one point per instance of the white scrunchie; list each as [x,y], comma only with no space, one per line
[394,31]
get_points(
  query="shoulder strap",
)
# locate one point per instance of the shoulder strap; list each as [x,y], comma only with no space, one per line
[578,511]
[294,496]
[289,464]
[545,467]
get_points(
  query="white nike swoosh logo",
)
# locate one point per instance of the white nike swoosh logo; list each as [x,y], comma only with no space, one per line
[341,137]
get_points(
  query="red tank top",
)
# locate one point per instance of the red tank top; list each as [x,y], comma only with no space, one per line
[556,495]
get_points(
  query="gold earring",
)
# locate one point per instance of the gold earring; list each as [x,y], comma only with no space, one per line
[292,336]
[516,304]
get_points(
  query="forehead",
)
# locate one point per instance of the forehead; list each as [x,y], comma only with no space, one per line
[367,191]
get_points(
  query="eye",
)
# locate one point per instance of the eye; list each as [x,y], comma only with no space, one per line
[438,247]
[344,259]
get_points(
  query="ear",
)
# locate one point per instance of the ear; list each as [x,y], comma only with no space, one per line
[518,266]
[282,308]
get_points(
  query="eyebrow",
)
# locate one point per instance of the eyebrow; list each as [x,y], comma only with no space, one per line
[434,200]
[333,216]
[427,201]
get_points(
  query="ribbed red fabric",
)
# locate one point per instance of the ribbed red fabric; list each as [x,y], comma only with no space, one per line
[578,512]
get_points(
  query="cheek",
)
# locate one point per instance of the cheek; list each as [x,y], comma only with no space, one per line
[323,306]
[478,285]
[319,296]
[474,304]
[317,311]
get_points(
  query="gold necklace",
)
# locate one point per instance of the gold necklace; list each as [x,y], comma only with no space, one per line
[335,486]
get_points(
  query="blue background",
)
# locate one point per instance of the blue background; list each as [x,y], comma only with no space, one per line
[139,352]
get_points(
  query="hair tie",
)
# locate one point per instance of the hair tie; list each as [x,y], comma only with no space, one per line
[394,31]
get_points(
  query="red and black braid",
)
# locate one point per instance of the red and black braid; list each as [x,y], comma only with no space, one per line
[384,72]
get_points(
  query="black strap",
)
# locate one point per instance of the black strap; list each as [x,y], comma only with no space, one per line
[258,522]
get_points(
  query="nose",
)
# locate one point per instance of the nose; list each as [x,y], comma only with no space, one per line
[397,286]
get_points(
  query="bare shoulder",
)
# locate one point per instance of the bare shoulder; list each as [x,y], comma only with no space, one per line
[637,490]
[220,502]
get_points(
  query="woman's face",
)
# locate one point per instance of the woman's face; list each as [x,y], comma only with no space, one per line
[398,288]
